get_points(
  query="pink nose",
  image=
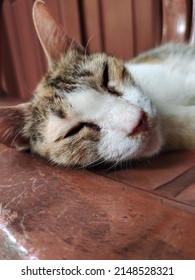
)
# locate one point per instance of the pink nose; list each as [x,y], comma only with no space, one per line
[140,124]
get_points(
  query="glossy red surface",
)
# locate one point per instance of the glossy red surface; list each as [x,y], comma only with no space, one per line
[145,212]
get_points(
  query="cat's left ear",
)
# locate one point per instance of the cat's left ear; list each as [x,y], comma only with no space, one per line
[51,34]
[12,123]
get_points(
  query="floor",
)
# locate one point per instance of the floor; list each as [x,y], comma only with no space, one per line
[146,211]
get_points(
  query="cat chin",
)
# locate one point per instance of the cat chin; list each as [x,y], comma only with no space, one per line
[142,146]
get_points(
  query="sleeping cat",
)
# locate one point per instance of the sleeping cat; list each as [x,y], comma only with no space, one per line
[93,108]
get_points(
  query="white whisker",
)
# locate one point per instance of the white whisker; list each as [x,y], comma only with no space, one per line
[88,42]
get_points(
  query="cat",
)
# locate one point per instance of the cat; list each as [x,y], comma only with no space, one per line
[96,108]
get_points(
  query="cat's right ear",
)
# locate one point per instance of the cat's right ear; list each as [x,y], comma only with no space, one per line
[51,34]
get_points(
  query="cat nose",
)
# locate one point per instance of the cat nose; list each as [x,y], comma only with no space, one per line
[140,123]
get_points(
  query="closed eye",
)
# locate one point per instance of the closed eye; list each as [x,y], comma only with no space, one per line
[105,76]
[76,129]
[105,81]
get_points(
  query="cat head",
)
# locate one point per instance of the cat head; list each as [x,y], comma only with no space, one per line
[86,109]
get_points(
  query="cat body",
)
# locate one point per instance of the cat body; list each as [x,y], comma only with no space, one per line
[94,108]
[167,76]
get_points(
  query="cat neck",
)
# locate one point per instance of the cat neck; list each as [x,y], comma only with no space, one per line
[165,84]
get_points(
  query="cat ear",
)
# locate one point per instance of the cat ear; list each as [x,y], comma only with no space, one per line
[12,121]
[51,34]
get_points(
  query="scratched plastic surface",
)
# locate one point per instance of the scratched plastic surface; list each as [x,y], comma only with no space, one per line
[54,213]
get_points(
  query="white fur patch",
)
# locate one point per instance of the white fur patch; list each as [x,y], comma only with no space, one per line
[106,110]
[165,83]
[117,117]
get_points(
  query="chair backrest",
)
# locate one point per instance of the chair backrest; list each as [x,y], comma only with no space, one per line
[121,28]
[177,21]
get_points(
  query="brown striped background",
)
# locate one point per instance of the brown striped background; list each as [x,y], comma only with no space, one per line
[122,28]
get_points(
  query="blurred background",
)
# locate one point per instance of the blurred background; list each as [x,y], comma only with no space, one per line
[123,28]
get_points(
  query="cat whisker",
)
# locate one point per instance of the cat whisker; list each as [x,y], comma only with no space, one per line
[30,92]
[16,136]
[94,163]
[12,143]
[31,136]
[71,44]
[88,42]
[113,166]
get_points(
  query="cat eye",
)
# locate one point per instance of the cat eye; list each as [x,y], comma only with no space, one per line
[76,129]
[105,81]
[105,76]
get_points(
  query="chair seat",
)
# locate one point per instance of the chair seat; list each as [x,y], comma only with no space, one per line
[144,212]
